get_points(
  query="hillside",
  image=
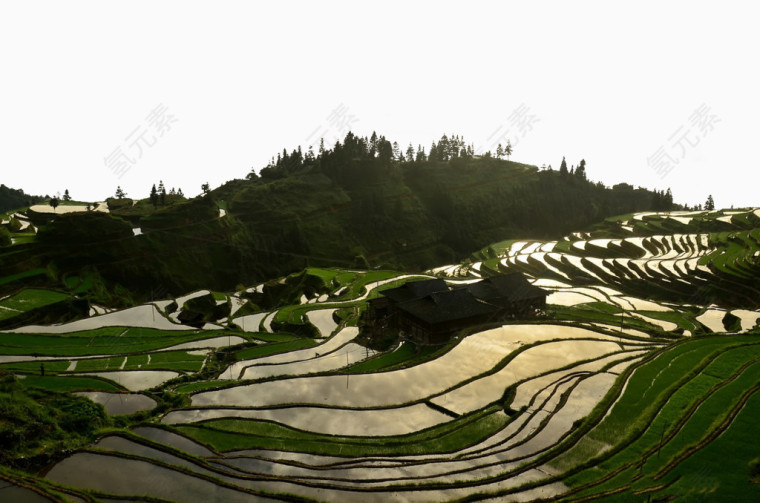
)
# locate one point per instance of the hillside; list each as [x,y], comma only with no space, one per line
[11,199]
[356,205]
[639,378]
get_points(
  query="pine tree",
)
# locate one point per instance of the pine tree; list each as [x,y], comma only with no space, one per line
[581,171]
[508,149]
[420,154]
[433,154]
[563,167]
[499,151]
[66,196]
[120,194]
[710,203]
[154,196]
[410,153]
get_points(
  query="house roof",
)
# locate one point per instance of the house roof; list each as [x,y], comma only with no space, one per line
[415,290]
[448,306]
[510,287]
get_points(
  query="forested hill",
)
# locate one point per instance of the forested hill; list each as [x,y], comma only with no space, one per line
[15,198]
[366,199]
[362,203]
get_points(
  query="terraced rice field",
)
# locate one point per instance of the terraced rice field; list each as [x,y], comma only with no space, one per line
[627,385]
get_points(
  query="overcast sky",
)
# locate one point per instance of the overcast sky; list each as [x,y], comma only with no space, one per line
[99,94]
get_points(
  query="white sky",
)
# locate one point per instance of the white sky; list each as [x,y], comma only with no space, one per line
[603,81]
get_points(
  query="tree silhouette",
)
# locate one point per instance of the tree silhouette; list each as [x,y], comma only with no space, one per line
[154,196]
[66,196]
[410,153]
[508,149]
[710,203]
[54,203]
[580,172]
[563,167]
[120,194]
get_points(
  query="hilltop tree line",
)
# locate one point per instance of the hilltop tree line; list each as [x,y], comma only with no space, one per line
[361,203]
[417,207]
[356,160]
[11,199]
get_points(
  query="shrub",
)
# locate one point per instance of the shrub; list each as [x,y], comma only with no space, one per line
[5,237]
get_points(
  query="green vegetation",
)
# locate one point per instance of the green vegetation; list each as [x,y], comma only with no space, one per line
[672,417]
[32,298]
[199,386]
[34,424]
[275,348]
[107,340]
[404,352]
[67,383]
[16,198]
[678,400]
[229,434]
[352,205]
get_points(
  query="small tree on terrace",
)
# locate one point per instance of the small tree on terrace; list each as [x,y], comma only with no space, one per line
[120,194]
[54,203]
[66,196]
[710,204]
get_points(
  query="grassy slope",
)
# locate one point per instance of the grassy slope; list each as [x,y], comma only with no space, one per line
[665,398]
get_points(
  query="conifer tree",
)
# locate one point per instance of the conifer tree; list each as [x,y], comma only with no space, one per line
[710,203]
[162,192]
[154,196]
[580,172]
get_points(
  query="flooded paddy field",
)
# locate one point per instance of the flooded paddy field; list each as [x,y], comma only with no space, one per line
[623,361]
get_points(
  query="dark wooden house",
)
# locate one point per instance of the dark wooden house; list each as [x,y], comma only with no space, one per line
[430,311]
[382,310]
[433,318]
[512,292]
